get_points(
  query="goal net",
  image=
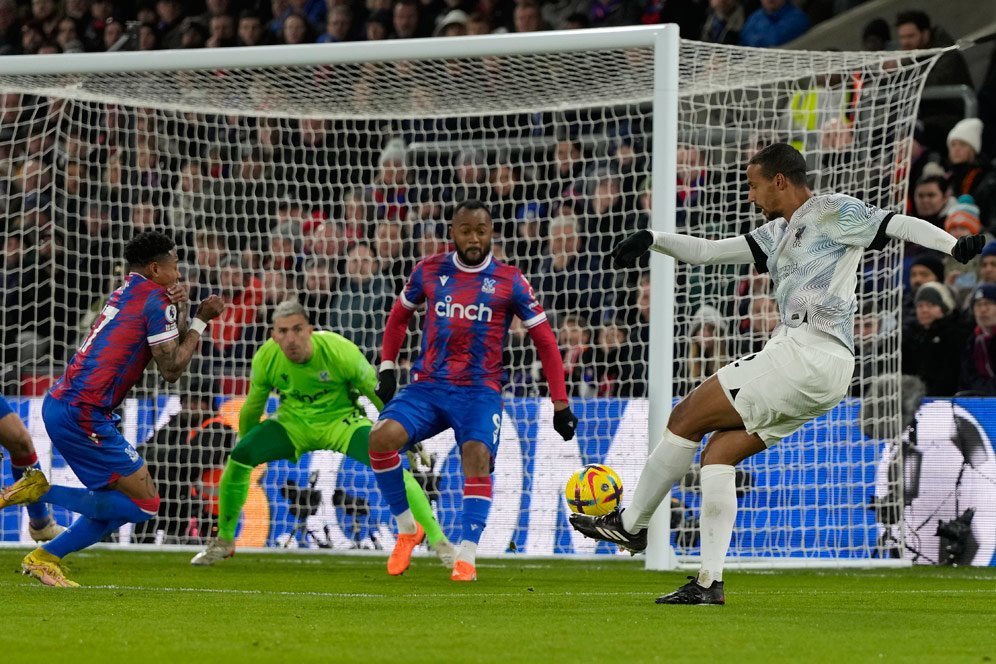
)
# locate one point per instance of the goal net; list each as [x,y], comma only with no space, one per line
[327,182]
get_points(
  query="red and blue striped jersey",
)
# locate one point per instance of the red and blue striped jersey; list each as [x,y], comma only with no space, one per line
[468,313]
[114,354]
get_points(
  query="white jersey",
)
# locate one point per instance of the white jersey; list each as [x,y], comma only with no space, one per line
[813,260]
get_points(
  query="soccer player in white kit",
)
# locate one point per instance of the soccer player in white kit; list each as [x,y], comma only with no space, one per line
[812,247]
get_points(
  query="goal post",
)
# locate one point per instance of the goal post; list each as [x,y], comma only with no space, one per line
[323,172]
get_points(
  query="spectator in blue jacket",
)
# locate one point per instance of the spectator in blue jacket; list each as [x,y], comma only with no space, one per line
[777,22]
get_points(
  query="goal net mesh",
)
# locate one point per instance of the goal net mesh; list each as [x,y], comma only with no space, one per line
[328,183]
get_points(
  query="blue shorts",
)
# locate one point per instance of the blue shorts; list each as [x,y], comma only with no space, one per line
[426,409]
[5,408]
[90,442]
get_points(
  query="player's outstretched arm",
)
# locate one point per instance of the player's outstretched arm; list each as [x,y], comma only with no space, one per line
[172,357]
[255,402]
[395,332]
[925,234]
[685,248]
[564,421]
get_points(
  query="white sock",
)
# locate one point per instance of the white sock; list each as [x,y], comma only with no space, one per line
[406,523]
[467,552]
[667,464]
[716,518]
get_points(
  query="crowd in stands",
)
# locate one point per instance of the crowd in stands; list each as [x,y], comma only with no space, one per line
[259,224]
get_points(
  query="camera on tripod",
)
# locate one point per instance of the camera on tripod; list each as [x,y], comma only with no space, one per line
[958,545]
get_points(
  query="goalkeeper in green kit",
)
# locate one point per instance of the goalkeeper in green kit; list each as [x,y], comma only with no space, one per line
[319,376]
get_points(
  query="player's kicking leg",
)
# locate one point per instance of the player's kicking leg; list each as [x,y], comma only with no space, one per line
[705,410]
[15,437]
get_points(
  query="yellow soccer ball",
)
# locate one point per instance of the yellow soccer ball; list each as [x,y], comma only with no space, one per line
[593,490]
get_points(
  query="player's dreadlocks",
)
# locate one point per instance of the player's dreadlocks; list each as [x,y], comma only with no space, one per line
[147,247]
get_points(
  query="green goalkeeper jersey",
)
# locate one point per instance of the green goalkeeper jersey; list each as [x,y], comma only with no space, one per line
[322,393]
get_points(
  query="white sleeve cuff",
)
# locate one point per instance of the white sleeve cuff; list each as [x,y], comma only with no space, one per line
[405,303]
[162,337]
[387,365]
[535,320]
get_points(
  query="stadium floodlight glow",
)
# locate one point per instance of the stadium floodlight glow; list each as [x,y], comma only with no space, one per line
[280,155]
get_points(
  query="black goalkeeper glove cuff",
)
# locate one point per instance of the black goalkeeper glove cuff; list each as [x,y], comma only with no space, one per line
[629,250]
[968,247]
[565,423]
[387,384]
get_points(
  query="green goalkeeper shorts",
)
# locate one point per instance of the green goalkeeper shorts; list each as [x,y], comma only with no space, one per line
[334,435]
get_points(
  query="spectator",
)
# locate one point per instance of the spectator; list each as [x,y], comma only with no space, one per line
[876,35]
[478,24]
[527,17]
[296,30]
[148,38]
[67,36]
[931,200]
[215,8]
[356,215]
[339,26]
[525,378]
[170,13]
[761,320]
[607,218]
[243,294]
[378,26]
[405,19]
[709,348]
[961,221]
[193,34]
[530,231]
[470,177]
[577,21]
[506,190]
[573,280]
[987,267]
[389,191]
[359,306]
[221,28]
[10,29]
[724,22]
[453,24]
[557,13]
[688,14]
[934,340]
[251,30]
[318,285]
[926,267]
[914,31]
[970,173]
[922,158]
[45,14]
[775,23]
[978,365]
[616,372]
[578,356]
[392,251]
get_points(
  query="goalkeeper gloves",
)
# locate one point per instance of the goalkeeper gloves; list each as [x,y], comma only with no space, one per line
[565,422]
[626,252]
[387,384]
[968,247]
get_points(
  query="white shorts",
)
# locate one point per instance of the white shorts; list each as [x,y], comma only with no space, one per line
[800,374]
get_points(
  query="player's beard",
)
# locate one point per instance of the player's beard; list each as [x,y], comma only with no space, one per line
[466,260]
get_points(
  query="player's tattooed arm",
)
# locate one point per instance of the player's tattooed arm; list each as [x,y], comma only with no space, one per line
[179,295]
[172,357]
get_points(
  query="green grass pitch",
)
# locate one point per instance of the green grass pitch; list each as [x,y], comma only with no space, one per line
[154,607]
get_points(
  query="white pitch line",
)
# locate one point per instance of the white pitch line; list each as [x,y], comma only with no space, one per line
[475,595]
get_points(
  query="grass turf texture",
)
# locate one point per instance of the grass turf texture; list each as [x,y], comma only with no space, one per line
[148,607]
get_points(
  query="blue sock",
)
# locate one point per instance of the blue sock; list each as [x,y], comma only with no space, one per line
[103,505]
[84,532]
[476,505]
[390,480]
[38,512]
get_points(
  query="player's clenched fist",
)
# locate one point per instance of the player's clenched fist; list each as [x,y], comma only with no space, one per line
[177,293]
[627,251]
[565,422]
[211,307]
[968,247]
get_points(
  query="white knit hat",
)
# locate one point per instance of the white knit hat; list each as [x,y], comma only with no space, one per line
[968,130]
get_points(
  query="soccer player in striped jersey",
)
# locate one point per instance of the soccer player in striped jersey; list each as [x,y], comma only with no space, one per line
[456,382]
[140,322]
[812,246]
[319,376]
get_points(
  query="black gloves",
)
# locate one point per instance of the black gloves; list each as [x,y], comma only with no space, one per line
[564,422]
[968,247]
[626,252]
[387,385]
